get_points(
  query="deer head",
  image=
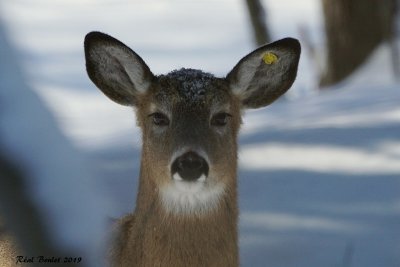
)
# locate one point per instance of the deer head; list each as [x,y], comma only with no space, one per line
[189,118]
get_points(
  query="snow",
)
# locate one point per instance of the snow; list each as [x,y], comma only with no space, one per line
[319,172]
[330,159]
[193,83]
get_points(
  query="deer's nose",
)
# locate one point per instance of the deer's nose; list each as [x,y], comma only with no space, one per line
[190,167]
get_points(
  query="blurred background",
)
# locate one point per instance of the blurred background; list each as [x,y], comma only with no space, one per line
[319,170]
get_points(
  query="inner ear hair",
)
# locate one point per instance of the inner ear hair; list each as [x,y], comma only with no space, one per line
[265,74]
[116,69]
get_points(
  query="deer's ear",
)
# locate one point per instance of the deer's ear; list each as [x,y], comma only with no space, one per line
[265,74]
[115,69]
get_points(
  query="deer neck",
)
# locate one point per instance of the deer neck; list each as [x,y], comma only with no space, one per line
[209,238]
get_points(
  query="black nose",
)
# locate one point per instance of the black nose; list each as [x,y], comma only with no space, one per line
[190,166]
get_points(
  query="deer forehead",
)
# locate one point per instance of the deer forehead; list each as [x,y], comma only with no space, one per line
[190,90]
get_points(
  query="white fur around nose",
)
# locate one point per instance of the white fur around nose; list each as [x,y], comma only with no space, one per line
[187,198]
[177,177]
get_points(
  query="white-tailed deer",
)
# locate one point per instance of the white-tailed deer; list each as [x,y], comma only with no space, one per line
[186,209]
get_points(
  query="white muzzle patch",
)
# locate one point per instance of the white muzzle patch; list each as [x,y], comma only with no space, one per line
[180,197]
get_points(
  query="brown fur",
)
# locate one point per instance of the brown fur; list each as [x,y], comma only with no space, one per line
[150,237]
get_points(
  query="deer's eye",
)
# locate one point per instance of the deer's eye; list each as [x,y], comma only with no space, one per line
[220,119]
[159,119]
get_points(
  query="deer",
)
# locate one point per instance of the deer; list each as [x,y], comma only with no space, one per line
[186,211]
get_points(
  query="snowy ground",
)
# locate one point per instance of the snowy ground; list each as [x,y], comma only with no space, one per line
[319,173]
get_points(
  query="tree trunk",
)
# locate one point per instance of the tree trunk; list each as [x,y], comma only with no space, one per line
[353,29]
[258,22]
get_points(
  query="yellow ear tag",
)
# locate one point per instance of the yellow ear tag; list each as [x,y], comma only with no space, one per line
[269,58]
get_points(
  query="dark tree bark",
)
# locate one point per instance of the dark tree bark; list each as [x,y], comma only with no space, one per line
[353,29]
[258,22]
[393,44]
